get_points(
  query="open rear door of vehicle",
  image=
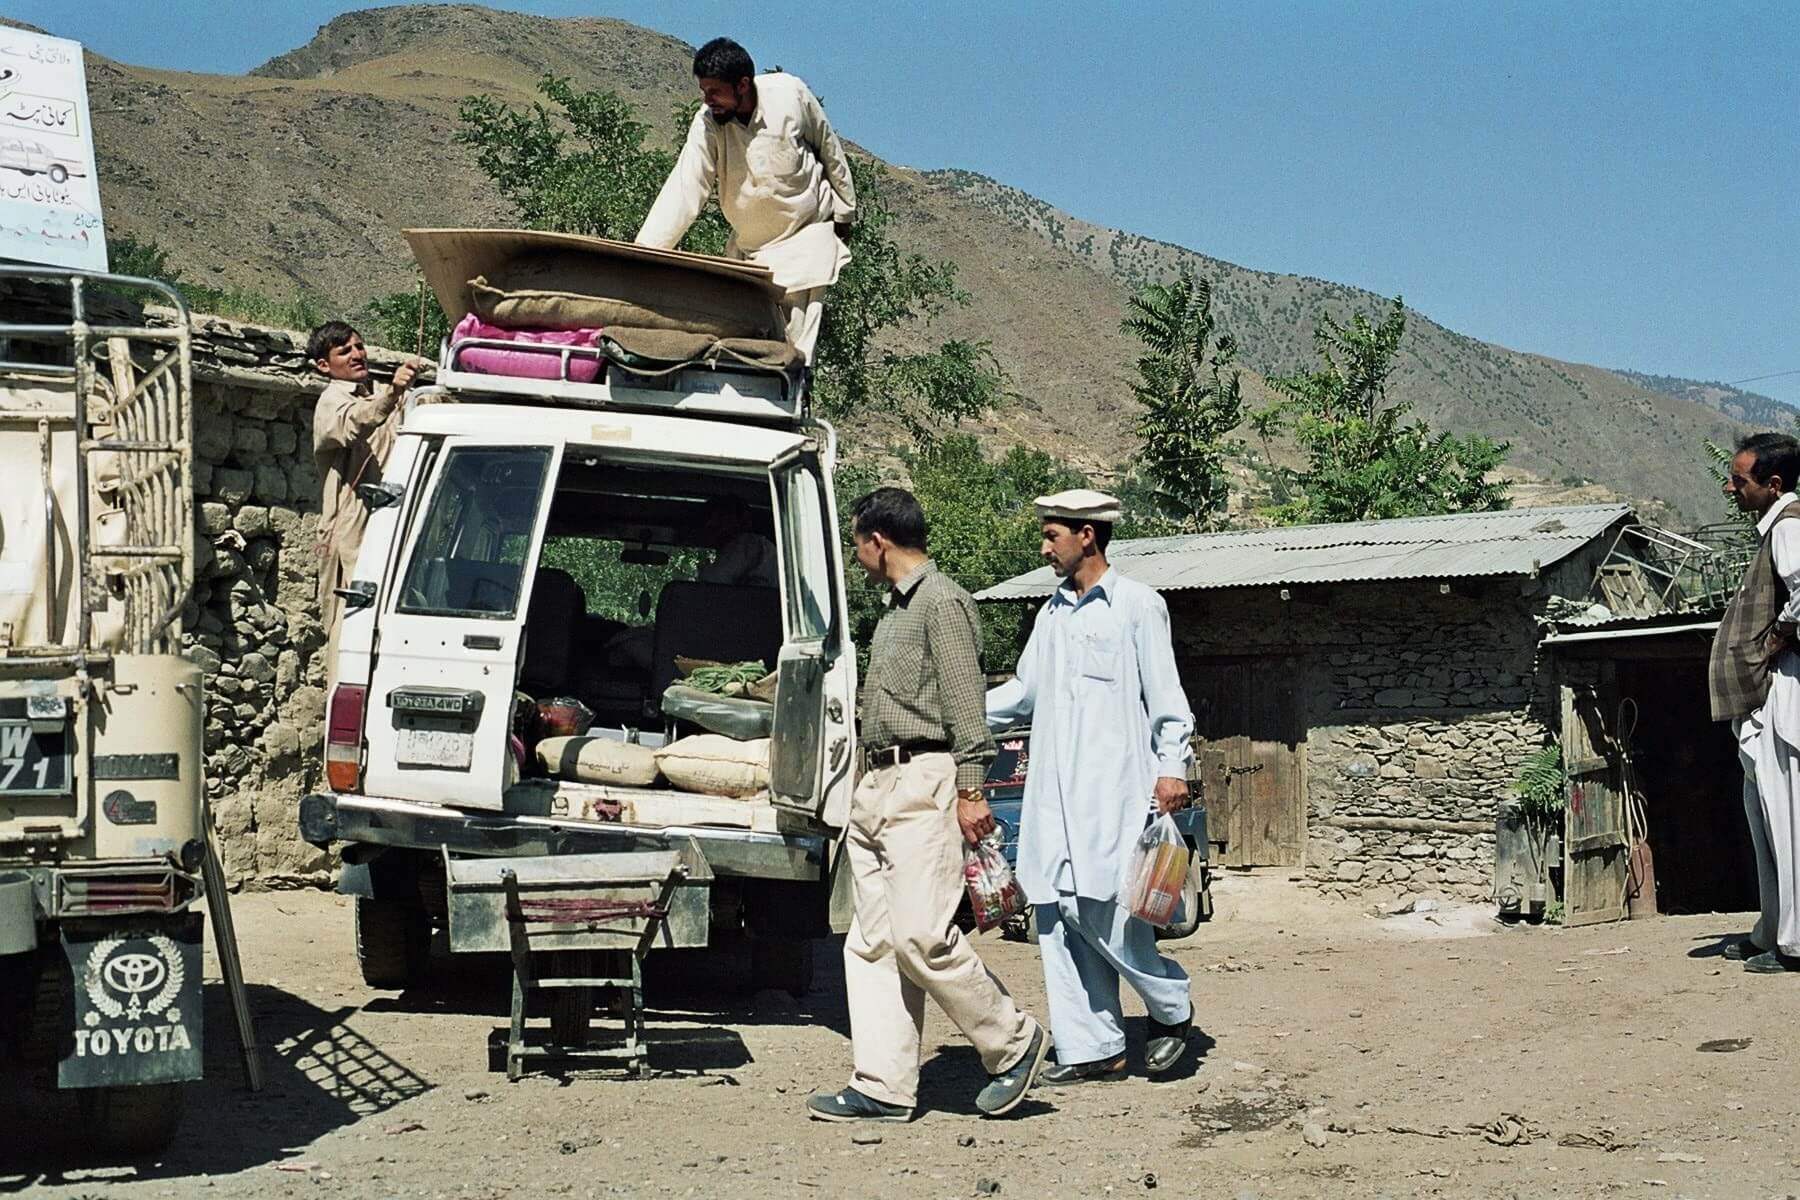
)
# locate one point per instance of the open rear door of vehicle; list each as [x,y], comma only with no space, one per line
[450,630]
[811,758]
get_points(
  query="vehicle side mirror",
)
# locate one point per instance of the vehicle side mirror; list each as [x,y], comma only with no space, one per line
[379,495]
[360,594]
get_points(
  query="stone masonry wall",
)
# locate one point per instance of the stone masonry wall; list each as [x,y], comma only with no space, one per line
[1419,709]
[252,622]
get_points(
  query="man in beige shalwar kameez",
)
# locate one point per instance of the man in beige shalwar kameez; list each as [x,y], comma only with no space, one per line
[353,431]
[783,181]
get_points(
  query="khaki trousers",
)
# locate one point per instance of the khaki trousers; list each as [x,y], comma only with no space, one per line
[804,310]
[906,864]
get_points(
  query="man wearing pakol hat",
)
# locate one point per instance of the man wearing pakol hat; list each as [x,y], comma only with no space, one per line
[783,181]
[1109,739]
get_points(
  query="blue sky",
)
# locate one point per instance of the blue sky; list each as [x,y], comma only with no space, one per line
[1605,182]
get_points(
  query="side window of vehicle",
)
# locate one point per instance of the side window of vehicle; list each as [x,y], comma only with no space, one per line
[807,555]
[469,559]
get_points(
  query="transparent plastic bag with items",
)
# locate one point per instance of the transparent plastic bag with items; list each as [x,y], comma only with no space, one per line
[1156,872]
[994,893]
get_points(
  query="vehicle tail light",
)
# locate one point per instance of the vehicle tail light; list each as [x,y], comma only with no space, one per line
[343,737]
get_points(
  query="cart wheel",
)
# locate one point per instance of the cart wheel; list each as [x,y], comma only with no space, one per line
[132,1120]
[570,1011]
[392,941]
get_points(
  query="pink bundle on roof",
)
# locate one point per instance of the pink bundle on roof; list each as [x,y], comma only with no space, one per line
[525,364]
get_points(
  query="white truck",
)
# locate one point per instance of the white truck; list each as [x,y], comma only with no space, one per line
[514,520]
[104,861]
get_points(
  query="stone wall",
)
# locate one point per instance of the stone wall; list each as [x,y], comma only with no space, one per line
[253,622]
[1418,708]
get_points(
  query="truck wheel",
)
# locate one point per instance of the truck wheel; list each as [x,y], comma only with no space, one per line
[1196,903]
[571,1008]
[782,964]
[392,939]
[132,1120]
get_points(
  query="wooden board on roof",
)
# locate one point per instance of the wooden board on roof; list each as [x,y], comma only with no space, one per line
[449,258]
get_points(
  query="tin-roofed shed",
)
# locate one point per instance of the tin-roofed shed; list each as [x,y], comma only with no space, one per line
[1365,694]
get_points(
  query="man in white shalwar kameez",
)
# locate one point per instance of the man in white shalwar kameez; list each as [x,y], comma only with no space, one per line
[1110,729]
[1754,678]
[782,176]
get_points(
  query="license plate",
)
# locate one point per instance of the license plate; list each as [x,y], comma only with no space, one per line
[447,749]
[33,763]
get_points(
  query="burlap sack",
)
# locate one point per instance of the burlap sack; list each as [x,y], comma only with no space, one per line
[715,765]
[650,349]
[598,760]
[577,292]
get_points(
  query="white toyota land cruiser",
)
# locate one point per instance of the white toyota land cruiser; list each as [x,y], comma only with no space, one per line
[537,538]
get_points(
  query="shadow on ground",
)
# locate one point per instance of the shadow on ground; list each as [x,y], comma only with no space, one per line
[318,1075]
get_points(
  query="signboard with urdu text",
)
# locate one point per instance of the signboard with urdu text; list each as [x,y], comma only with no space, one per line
[49,191]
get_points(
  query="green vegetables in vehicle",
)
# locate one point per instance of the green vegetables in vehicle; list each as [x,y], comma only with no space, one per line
[726,679]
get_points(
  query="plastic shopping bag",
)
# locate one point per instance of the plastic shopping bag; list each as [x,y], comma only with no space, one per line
[994,893]
[1156,873]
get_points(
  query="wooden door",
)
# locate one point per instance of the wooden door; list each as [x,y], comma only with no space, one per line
[1249,758]
[1596,852]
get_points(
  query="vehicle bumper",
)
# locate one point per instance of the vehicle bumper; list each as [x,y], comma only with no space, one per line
[326,818]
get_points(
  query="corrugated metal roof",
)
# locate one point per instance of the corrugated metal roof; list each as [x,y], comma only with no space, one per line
[1515,541]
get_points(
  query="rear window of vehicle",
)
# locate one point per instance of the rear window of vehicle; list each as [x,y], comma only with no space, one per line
[469,559]
[1012,755]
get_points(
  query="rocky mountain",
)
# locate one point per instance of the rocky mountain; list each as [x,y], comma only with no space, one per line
[297,178]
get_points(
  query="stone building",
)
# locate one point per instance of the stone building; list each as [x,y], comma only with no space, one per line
[1365,694]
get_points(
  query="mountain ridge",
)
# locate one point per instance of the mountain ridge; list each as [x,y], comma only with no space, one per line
[298,176]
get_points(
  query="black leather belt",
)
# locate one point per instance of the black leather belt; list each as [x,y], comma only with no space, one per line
[893,756]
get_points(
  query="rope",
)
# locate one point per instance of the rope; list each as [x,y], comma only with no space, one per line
[1637,824]
[590,911]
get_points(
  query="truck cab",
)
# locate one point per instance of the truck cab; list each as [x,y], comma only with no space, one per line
[584,538]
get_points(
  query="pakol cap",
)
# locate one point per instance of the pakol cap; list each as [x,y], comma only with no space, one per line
[1080,505]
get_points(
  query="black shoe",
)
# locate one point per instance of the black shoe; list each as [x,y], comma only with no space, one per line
[1742,949]
[1165,1044]
[852,1105]
[1004,1091]
[1772,962]
[1104,1070]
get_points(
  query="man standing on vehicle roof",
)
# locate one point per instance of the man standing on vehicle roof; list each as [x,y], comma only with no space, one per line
[783,181]
[1109,734]
[353,431]
[925,752]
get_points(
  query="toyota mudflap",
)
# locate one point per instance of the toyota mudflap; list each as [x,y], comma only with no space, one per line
[102,835]
[575,537]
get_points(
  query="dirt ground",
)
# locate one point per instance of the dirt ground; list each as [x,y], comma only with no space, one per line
[1345,1054]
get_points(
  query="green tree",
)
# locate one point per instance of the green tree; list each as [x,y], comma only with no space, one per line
[1189,399]
[583,163]
[983,528]
[1365,461]
[393,321]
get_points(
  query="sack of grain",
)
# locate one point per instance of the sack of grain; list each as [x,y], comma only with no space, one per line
[598,760]
[715,765]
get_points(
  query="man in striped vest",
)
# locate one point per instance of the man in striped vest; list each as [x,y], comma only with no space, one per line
[1754,681]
